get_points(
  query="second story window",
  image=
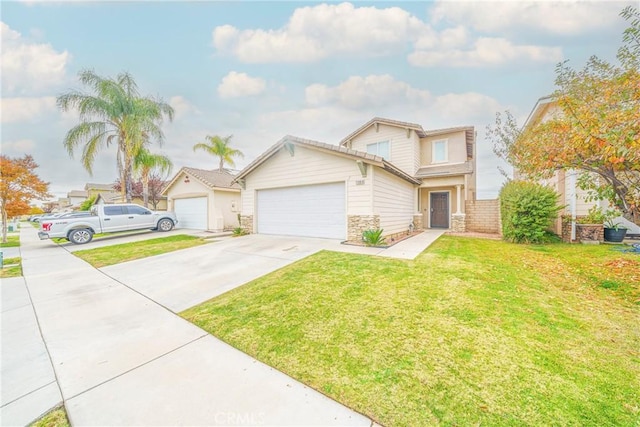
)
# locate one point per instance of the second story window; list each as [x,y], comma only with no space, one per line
[379,149]
[439,154]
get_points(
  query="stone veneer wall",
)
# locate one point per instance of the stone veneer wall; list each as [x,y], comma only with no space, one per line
[584,232]
[356,224]
[418,222]
[458,223]
[246,223]
[483,216]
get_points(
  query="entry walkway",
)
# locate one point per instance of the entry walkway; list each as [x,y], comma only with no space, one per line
[122,359]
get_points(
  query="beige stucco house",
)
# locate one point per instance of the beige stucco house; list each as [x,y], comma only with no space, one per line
[573,199]
[386,174]
[204,199]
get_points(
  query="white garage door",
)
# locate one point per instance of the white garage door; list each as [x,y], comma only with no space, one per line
[310,210]
[191,213]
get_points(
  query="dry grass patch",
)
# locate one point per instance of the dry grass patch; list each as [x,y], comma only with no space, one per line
[473,332]
[55,418]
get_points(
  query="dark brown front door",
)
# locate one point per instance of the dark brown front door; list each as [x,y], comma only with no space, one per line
[439,210]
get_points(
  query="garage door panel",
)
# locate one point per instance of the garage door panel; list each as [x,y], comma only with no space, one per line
[311,210]
[191,212]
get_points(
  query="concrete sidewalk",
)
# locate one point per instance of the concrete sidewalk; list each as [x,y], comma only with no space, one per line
[406,249]
[122,359]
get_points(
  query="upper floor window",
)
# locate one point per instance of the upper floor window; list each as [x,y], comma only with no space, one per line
[379,149]
[439,154]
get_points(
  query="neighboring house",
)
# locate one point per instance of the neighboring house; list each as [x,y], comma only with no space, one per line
[93,189]
[108,198]
[76,197]
[204,199]
[564,182]
[387,174]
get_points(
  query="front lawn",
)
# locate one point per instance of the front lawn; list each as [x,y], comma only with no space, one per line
[473,332]
[12,242]
[109,255]
[11,267]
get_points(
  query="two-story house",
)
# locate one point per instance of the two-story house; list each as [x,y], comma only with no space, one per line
[386,174]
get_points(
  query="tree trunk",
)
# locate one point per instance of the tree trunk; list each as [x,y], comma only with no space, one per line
[128,175]
[4,225]
[221,164]
[145,190]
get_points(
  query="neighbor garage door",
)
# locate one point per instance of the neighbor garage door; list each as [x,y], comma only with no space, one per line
[310,210]
[191,213]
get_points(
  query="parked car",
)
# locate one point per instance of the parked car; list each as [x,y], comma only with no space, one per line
[77,214]
[106,219]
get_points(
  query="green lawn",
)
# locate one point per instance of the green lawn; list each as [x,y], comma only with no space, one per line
[12,242]
[473,332]
[11,267]
[109,255]
[55,418]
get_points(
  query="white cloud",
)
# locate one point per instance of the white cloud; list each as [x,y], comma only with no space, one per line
[316,32]
[21,146]
[182,107]
[485,51]
[236,85]
[555,17]
[365,92]
[26,109]
[28,67]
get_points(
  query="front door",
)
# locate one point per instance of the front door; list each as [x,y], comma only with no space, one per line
[439,210]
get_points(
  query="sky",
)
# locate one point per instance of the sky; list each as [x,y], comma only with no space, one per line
[262,70]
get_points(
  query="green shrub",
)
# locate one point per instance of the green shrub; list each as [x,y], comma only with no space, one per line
[87,204]
[373,237]
[239,231]
[528,210]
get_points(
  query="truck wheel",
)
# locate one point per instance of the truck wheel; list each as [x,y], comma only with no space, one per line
[165,225]
[80,236]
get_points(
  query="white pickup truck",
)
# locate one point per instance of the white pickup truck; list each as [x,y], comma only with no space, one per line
[106,219]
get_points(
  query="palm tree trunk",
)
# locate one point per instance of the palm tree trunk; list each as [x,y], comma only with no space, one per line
[145,189]
[128,175]
[221,164]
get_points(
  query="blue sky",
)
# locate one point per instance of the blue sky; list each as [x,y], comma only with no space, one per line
[261,70]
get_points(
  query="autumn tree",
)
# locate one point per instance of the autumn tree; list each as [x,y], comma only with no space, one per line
[155,185]
[596,129]
[19,185]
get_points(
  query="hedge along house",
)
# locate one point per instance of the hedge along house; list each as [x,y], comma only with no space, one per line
[204,199]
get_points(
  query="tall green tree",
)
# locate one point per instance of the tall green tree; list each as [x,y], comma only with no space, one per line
[596,129]
[146,162]
[113,113]
[219,147]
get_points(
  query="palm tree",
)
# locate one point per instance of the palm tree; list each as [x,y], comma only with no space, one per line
[144,163]
[113,113]
[219,146]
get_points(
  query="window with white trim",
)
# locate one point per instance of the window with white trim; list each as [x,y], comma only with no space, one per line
[439,151]
[379,149]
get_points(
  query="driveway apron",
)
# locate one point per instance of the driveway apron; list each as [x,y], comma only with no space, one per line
[123,359]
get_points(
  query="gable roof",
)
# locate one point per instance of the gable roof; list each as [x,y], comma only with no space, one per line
[326,148]
[102,187]
[539,109]
[108,196]
[383,121]
[77,193]
[210,178]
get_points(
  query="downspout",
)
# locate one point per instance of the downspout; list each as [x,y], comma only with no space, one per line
[573,203]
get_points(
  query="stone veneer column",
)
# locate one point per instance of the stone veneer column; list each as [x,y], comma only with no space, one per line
[246,223]
[417,222]
[356,224]
[458,223]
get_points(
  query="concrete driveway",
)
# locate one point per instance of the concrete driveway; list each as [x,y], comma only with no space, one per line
[182,279]
[120,358]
